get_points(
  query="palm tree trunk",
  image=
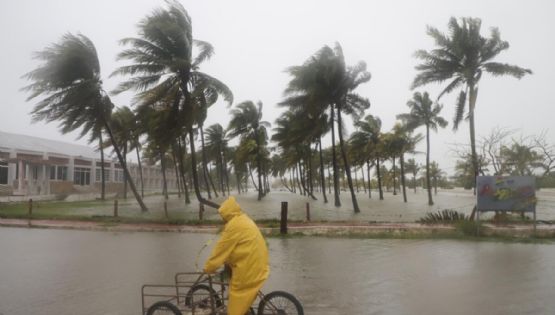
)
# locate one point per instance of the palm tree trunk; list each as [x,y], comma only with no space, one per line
[472,105]
[322,175]
[435,185]
[329,180]
[291,182]
[369,182]
[414,181]
[258,165]
[195,174]
[394,178]
[204,163]
[208,171]
[220,171]
[182,149]
[297,172]
[125,175]
[140,170]
[430,201]
[380,189]
[252,179]
[125,170]
[346,162]
[164,181]
[363,180]
[177,180]
[310,173]
[238,178]
[334,159]
[247,180]
[301,178]
[402,161]
[103,178]
[356,178]
[305,184]
[226,173]
[284,183]
[176,169]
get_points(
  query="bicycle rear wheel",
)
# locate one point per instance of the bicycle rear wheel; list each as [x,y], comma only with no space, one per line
[201,296]
[163,308]
[280,303]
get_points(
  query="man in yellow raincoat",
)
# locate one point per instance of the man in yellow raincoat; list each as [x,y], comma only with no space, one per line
[242,247]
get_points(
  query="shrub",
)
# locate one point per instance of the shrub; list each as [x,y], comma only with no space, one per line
[443,216]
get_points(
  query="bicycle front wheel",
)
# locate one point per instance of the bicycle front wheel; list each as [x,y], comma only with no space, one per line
[163,308]
[280,303]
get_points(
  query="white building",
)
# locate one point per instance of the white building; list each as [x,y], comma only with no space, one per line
[35,166]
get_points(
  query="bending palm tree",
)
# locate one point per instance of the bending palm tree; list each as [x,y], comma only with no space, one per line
[164,69]
[69,79]
[246,122]
[423,114]
[462,56]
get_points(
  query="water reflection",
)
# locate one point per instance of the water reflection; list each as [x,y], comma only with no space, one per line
[82,272]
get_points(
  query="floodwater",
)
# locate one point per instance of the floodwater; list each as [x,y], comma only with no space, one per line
[63,272]
[391,209]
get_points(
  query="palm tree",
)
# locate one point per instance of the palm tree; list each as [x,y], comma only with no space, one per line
[403,141]
[246,122]
[423,114]
[216,144]
[324,82]
[164,68]
[436,173]
[462,56]
[123,121]
[367,138]
[413,168]
[520,159]
[70,82]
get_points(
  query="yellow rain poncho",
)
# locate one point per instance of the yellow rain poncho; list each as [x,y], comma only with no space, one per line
[243,248]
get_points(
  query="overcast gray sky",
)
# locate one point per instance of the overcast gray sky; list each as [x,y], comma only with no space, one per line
[256,40]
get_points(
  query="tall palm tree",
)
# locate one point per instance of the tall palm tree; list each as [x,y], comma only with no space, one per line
[324,83]
[246,122]
[423,112]
[163,67]
[70,82]
[347,79]
[462,56]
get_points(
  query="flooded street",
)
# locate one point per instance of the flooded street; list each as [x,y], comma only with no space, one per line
[59,272]
[391,209]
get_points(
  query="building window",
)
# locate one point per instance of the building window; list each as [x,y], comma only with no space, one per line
[58,172]
[35,171]
[82,176]
[53,172]
[3,173]
[118,176]
[62,172]
[99,173]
